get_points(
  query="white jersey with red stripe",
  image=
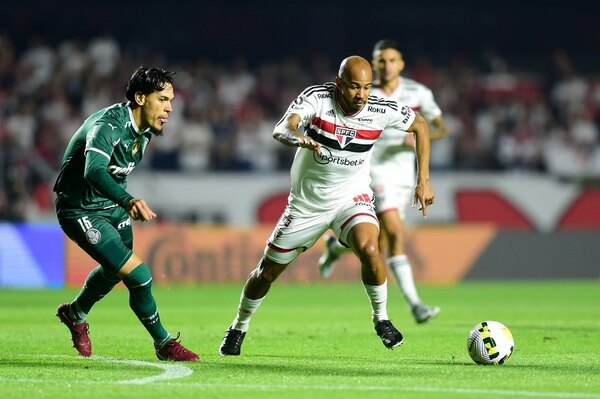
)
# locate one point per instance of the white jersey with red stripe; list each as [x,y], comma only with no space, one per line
[321,182]
[392,161]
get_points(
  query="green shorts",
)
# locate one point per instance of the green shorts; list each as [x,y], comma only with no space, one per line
[105,235]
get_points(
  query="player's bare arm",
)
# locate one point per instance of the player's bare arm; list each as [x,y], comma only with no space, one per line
[438,128]
[138,209]
[437,131]
[423,191]
[287,133]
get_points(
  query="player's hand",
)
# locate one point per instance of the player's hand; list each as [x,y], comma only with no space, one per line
[409,140]
[139,210]
[423,196]
[307,142]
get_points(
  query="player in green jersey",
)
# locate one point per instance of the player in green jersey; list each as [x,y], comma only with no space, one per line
[95,210]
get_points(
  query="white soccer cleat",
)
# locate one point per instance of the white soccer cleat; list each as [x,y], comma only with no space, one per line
[424,313]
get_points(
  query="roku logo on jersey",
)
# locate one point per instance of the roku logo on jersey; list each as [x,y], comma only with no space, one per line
[376,109]
[121,171]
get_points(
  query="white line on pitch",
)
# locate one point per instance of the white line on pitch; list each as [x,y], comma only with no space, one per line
[174,371]
[466,391]
[170,371]
[265,387]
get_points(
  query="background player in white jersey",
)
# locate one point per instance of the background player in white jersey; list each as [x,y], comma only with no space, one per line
[393,173]
[330,188]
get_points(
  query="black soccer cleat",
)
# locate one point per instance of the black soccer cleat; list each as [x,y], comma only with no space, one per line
[389,335]
[232,342]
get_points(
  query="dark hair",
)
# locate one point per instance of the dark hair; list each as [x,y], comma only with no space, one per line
[386,43]
[147,81]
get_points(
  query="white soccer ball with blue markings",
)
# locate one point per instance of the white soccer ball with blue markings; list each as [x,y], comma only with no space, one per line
[490,342]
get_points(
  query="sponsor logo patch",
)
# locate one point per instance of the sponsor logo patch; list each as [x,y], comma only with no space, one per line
[326,157]
[124,223]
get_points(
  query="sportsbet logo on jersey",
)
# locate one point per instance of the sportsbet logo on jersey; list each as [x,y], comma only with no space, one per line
[325,157]
[344,135]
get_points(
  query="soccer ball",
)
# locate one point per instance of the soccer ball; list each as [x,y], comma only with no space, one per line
[490,342]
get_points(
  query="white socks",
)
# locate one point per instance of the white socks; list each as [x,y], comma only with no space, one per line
[246,309]
[378,296]
[403,272]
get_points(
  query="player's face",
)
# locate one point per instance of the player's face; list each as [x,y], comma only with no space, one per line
[354,93]
[156,108]
[388,64]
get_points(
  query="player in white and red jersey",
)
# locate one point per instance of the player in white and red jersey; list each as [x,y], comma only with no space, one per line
[393,172]
[330,188]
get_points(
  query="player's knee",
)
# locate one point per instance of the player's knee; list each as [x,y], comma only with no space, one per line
[368,249]
[138,278]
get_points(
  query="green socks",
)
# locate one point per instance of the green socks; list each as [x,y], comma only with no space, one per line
[97,285]
[139,283]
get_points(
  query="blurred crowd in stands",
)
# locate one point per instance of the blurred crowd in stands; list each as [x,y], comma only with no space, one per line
[498,118]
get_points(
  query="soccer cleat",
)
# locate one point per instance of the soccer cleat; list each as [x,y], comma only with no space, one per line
[79,331]
[173,351]
[389,335]
[232,342]
[423,313]
[328,258]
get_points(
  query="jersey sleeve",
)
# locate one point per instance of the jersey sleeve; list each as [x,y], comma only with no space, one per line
[102,139]
[403,118]
[428,107]
[304,106]
[99,147]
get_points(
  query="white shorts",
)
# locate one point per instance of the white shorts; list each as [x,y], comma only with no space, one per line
[393,182]
[392,196]
[298,230]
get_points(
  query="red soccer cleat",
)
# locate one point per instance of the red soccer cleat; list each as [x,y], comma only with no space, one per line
[79,331]
[175,352]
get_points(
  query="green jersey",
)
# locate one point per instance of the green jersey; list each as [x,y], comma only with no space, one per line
[100,155]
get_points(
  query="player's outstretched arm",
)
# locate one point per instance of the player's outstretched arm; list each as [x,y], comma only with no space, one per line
[423,191]
[286,132]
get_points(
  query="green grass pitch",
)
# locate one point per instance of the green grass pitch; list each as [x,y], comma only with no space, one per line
[309,341]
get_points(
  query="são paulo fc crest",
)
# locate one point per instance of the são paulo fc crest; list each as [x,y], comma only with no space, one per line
[344,135]
[93,236]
